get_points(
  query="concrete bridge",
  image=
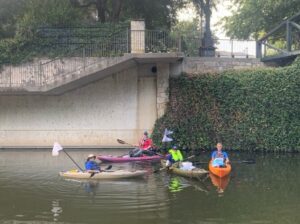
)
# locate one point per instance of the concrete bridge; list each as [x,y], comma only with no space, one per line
[90,102]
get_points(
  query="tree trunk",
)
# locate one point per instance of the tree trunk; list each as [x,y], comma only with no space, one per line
[207,32]
[116,10]
[101,6]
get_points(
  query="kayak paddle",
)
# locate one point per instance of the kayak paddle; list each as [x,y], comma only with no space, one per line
[192,156]
[126,143]
[249,161]
[123,142]
[107,168]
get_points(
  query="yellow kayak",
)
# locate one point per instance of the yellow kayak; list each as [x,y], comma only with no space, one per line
[105,175]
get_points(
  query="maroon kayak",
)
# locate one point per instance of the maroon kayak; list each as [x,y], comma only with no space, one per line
[122,159]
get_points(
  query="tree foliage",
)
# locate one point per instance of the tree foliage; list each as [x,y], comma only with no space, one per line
[25,44]
[156,13]
[10,11]
[190,34]
[252,19]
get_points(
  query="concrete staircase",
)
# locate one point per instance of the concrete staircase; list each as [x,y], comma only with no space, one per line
[57,76]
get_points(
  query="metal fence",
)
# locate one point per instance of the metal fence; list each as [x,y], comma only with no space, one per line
[76,52]
[45,72]
[224,47]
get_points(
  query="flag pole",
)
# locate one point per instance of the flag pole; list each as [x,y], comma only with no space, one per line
[72,160]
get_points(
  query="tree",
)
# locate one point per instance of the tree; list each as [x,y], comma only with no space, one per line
[190,33]
[10,11]
[107,11]
[157,13]
[252,19]
[205,7]
[47,13]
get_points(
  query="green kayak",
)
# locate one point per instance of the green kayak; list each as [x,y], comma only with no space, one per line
[193,173]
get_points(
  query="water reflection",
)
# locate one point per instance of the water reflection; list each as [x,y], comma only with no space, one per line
[32,192]
[56,210]
[219,182]
[176,185]
[91,187]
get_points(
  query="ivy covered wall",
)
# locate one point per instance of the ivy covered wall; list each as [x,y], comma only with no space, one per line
[249,110]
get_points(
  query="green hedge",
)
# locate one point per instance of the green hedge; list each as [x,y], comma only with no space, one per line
[246,110]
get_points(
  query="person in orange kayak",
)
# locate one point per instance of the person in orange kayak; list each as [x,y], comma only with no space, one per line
[144,148]
[219,158]
[173,156]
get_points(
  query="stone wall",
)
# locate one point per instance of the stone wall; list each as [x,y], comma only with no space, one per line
[198,65]
[162,88]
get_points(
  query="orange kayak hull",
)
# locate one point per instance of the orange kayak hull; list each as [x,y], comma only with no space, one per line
[220,182]
[219,171]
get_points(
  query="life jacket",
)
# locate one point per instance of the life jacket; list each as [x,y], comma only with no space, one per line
[92,165]
[219,159]
[146,143]
[218,162]
[176,155]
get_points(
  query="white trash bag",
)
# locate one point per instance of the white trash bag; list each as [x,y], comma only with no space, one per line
[187,166]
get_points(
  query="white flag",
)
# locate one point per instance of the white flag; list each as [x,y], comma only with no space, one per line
[56,148]
[168,132]
[166,138]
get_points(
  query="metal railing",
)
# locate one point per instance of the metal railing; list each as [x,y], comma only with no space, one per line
[282,41]
[46,72]
[75,57]
[225,48]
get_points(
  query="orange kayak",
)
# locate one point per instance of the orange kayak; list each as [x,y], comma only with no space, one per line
[219,171]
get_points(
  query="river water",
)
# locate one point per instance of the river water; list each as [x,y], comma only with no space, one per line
[32,192]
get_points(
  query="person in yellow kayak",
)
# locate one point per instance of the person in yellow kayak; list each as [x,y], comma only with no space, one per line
[173,156]
[219,158]
[91,165]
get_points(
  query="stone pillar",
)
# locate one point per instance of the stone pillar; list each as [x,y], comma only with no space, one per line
[163,74]
[137,36]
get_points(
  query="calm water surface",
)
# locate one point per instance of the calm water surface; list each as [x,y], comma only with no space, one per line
[32,192]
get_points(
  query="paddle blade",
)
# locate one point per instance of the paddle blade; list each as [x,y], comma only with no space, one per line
[121,141]
[92,174]
[108,167]
[249,161]
[56,148]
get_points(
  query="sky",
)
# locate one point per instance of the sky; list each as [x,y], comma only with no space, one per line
[221,11]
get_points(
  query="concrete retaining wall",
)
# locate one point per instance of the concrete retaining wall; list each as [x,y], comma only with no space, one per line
[94,115]
[122,105]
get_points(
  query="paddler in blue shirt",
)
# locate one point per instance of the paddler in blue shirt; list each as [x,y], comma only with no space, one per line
[91,165]
[219,158]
